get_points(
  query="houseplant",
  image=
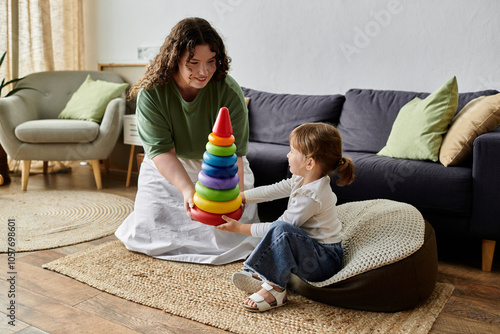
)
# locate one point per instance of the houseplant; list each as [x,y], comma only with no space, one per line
[4,167]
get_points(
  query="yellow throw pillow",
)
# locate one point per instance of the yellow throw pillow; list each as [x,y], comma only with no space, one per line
[89,102]
[479,116]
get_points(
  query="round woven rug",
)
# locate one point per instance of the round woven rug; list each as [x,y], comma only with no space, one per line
[49,219]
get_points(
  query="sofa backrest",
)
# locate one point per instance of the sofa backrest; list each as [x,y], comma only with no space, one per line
[273,116]
[367,115]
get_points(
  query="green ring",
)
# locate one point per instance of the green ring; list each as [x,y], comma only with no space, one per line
[215,194]
[221,151]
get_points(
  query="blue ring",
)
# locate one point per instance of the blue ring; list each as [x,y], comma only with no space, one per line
[221,172]
[217,161]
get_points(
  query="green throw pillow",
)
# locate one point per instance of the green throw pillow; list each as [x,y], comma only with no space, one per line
[418,130]
[89,102]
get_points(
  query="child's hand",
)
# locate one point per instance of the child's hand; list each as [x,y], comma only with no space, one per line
[232,225]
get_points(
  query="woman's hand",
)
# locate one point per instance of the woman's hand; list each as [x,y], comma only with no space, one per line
[232,225]
[171,168]
[188,202]
[243,201]
[243,198]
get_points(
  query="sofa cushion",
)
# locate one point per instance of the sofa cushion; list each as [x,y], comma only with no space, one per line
[479,116]
[367,115]
[268,162]
[57,131]
[417,132]
[427,185]
[273,116]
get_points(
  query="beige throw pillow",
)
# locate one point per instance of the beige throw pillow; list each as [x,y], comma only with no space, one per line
[479,116]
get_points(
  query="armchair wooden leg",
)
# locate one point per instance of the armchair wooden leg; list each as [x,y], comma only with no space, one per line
[488,250]
[25,174]
[45,167]
[96,167]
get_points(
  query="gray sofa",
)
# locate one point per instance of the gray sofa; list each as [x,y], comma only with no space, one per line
[459,200]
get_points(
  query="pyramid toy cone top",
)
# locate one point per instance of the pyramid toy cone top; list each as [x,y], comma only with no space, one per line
[222,126]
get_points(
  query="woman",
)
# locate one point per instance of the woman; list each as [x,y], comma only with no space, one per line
[178,100]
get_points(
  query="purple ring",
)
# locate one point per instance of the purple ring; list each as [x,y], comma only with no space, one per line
[218,183]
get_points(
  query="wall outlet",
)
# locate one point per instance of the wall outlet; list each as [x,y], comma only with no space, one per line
[147,53]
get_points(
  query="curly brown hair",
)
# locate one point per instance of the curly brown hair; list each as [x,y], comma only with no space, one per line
[323,143]
[184,36]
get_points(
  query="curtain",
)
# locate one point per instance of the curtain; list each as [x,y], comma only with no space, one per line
[41,35]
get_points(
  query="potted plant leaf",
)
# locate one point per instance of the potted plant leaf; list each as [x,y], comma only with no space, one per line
[4,167]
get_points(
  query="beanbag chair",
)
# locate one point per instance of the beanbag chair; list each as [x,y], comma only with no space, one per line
[390,259]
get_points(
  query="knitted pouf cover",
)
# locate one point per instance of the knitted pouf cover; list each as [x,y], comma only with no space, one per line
[390,259]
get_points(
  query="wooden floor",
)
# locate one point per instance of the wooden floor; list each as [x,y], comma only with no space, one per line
[53,303]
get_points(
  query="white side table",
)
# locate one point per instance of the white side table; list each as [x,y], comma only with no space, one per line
[130,137]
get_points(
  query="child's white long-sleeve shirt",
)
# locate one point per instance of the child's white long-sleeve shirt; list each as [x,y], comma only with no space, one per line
[311,207]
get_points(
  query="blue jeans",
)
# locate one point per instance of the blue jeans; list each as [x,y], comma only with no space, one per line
[286,249]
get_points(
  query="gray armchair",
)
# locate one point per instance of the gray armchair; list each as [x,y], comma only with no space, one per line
[30,130]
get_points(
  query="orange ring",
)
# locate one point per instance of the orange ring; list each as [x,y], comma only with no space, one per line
[220,141]
[217,207]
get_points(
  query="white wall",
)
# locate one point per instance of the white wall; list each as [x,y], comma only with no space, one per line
[320,46]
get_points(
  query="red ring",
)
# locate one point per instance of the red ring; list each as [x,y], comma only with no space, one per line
[213,218]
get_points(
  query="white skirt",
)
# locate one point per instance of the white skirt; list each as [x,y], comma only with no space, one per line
[159,227]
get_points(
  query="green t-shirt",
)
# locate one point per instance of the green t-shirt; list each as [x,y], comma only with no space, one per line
[166,121]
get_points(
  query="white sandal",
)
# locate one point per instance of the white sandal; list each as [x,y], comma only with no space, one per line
[262,305]
[245,281]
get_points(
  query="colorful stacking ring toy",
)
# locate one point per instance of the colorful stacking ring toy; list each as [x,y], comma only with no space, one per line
[217,161]
[218,190]
[216,194]
[212,218]
[217,207]
[222,151]
[218,183]
[220,141]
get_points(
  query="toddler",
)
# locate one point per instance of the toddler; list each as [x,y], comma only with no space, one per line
[306,239]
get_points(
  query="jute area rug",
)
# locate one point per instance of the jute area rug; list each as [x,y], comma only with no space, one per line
[49,219]
[206,294]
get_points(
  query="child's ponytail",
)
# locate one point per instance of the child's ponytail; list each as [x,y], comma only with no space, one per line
[345,170]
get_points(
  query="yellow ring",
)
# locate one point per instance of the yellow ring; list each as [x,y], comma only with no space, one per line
[220,141]
[217,207]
